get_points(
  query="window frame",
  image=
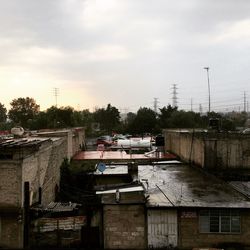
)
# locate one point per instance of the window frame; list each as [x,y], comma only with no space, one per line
[208,218]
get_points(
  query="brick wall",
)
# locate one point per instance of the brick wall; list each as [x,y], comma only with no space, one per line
[42,169]
[10,184]
[124,227]
[10,231]
[190,237]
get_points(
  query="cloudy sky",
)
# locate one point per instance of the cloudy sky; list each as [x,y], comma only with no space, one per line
[125,52]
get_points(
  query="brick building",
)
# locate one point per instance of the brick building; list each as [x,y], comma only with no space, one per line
[35,160]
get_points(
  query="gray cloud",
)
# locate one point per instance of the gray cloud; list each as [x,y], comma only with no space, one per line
[117,49]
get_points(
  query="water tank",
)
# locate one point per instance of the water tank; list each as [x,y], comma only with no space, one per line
[18,131]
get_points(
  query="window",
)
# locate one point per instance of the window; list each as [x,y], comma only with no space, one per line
[219,221]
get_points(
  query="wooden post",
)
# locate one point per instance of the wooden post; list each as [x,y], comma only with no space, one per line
[26,212]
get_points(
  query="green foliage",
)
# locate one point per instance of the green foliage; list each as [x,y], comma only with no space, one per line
[60,117]
[3,113]
[108,118]
[76,184]
[23,111]
[143,122]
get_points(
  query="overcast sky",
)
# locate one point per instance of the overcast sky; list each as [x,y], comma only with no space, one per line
[125,52]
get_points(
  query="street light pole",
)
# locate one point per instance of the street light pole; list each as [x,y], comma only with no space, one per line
[209,103]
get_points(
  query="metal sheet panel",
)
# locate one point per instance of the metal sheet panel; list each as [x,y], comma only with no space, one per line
[162,228]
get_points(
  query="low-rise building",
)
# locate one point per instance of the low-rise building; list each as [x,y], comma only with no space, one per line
[188,208]
[182,207]
[35,160]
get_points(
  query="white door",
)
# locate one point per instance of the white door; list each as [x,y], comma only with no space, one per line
[162,228]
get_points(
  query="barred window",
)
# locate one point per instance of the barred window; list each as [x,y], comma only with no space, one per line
[219,221]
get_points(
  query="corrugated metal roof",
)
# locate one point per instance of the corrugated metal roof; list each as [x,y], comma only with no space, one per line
[242,186]
[58,207]
[22,142]
[184,186]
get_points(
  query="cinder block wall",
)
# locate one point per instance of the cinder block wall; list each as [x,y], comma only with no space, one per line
[11,231]
[186,146]
[190,237]
[209,150]
[124,227]
[42,169]
[10,184]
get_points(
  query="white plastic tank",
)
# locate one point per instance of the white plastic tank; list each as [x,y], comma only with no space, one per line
[18,131]
[134,143]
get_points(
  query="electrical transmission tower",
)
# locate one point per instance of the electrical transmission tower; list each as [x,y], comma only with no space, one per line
[56,94]
[174,98]
[155,105]
[200,109]
[245,102]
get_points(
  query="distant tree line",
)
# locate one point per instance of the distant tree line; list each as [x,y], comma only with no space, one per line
[26,112]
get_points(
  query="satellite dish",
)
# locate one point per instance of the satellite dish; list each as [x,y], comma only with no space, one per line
[19,131]
[101,167]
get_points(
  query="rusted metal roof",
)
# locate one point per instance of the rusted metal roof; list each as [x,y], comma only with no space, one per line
[184,186]
[241,186]
[22,142]
[119,155]
[58,207]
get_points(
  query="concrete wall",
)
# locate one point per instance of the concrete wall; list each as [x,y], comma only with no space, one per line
[42,169]
[75,138]
[210,150]
[124,227]
[190,237]
[10,231]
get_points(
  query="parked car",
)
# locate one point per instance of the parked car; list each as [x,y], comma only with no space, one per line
[106,140]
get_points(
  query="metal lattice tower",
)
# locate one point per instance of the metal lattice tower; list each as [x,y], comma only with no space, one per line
[245,102]
[56,93]
[174,98]
[155,105]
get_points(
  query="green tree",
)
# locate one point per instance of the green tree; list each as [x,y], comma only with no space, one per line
[108,118]
[60,117]
[3,113]
[23,110]
[144,122]
[164,118]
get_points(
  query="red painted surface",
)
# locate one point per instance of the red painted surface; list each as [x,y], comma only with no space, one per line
[116,155]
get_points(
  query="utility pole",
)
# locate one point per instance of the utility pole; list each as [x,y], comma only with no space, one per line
[174,98]
[56,94]
[191,104]
[155,105]
[208,83]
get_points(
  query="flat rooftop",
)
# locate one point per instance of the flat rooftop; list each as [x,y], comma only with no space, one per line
[184,186]
[120,155]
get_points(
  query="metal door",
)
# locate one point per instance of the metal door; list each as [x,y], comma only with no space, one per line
[162,228]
